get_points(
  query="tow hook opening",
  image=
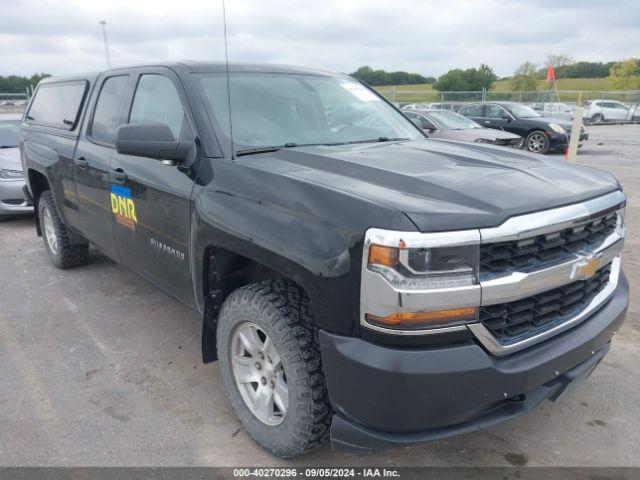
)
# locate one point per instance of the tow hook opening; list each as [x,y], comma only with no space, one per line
[517,398]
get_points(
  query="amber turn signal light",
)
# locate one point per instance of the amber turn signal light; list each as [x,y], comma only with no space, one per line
[381,255]
[417,320]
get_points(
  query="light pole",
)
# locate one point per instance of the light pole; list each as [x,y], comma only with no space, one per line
[106,43]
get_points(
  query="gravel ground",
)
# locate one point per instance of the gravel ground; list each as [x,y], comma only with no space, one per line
[99,368]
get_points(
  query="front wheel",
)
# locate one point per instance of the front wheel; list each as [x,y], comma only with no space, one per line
[271,369]
[537,142]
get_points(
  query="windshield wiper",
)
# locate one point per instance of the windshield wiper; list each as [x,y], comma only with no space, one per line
[275,148]
[371,140]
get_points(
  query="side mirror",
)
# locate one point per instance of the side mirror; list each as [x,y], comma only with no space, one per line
[152,140]
[506,118]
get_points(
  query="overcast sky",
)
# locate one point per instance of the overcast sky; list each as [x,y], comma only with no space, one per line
[427,37]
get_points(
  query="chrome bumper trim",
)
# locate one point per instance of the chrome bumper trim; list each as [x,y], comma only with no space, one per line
[496,348]
[549,221]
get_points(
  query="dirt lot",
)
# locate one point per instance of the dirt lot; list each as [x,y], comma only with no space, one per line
[99,368]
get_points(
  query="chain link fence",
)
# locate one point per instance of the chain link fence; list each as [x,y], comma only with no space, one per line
[402,95]
[13,102]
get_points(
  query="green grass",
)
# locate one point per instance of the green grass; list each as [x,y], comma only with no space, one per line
[426,93]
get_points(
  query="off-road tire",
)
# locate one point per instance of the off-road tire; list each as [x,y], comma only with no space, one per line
[282,310]
[67,254]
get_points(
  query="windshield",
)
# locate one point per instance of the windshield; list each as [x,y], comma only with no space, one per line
[294,110]
[451,120]
[522,111]
[9,130]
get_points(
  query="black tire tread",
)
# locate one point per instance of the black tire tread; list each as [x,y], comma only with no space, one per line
[69,255]
[294,321]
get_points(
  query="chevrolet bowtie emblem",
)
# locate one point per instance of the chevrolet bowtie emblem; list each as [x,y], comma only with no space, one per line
[587,268]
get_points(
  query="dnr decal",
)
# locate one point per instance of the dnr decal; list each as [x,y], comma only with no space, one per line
[123,207]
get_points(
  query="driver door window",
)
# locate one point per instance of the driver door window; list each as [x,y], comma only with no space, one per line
[157,101]
[496,112]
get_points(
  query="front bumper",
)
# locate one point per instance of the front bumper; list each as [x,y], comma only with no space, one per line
[561,140]
[12,198]
[386,396]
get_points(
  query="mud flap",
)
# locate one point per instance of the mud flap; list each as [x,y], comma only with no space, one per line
[212,306]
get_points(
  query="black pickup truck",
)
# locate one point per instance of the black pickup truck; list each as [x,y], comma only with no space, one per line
[354,277]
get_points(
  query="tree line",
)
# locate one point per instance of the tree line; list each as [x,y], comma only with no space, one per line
[373,77]
[18,84]
[624,75]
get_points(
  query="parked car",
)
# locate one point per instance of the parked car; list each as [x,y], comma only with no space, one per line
[415,106]
[450,125]
[541,134]
[600,111]
[560,110]
[434,106]
[12,198]
[352,276]
[453,106]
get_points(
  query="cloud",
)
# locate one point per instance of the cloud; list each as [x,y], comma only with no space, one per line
[427,37]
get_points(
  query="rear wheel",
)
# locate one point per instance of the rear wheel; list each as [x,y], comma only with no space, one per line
[597,118]
[537,142]
[271,369]
[62,252]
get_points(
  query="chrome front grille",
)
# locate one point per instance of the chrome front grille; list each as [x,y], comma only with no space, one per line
[511,321]
[497,259]
[545,272]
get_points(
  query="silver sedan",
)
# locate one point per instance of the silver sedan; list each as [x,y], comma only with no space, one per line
[12,199]
[453,126]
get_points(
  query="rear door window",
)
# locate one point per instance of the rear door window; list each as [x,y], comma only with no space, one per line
[58,104]
[472,111]
[108,113]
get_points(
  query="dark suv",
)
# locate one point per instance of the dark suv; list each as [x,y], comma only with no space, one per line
[541,134]
[353,276]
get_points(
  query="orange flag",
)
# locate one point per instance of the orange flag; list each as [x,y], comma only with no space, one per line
[551,74]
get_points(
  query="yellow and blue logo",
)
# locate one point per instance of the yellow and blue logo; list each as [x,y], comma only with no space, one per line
[123,207]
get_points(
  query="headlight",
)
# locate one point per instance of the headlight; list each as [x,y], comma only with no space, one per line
[557,128]
[433,267]
[426,268]
[11,174]
[620,227]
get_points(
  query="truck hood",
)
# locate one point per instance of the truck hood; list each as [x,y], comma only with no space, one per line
[10,158]
[441,185]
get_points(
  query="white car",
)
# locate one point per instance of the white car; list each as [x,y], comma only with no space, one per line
[555,110]
[597,111]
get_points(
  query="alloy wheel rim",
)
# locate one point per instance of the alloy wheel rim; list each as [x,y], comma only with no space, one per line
[50,232]
[537,142]
[259,373]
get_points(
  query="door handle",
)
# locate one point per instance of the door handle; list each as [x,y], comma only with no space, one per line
[119,175]
[81,162]
[487,121]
